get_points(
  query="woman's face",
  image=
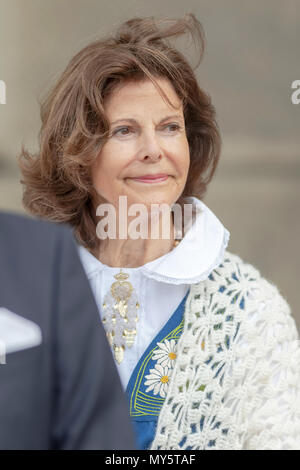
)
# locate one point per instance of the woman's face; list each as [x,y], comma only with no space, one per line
[147,137]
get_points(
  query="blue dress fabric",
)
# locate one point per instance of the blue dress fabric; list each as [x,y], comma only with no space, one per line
[144,404]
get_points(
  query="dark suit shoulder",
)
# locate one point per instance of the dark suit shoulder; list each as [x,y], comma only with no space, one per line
[20,234]
[11,224]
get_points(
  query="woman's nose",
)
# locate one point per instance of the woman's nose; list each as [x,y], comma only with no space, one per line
[151,149]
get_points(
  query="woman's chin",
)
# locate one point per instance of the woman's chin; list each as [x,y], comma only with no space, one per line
[152,200]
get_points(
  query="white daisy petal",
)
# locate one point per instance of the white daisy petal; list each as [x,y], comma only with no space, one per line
[158,355]
[161,345]
[164,347]
[149,388]
[164,362]
[150,380]
[157,388]
[155,372]
[160,369]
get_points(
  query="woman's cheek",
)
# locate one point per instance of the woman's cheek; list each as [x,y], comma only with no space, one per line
[121,153]
[182,155]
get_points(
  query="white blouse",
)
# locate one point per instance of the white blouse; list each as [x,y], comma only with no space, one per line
[161,284]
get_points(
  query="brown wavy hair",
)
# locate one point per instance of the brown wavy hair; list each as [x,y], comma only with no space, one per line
[57,180]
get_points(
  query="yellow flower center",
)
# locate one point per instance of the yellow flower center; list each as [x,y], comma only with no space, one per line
[164,379]
[172,355]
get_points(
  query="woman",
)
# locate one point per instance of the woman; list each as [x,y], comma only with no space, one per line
[205,347]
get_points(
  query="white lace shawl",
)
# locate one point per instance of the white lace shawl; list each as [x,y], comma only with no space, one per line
[236,381]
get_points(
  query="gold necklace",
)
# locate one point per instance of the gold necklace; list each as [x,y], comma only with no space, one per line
[120,306]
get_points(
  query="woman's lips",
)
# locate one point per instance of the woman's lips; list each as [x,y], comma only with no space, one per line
[151,178]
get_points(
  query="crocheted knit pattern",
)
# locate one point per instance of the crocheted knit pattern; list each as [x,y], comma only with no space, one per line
[235,384]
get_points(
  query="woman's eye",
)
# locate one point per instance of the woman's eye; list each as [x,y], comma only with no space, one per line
[122,131]
[173,128]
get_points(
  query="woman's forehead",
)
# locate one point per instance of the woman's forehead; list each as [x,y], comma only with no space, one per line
[133,96]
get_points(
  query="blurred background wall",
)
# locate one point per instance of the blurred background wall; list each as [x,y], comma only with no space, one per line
[252,58]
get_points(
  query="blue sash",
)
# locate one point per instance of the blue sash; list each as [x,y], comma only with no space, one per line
[148,385]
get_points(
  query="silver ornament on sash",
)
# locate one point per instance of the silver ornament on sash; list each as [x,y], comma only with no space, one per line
[120,306]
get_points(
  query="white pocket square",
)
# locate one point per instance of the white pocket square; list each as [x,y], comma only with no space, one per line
[17,333]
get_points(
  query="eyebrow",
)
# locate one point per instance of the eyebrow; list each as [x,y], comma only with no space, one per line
[134,121]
